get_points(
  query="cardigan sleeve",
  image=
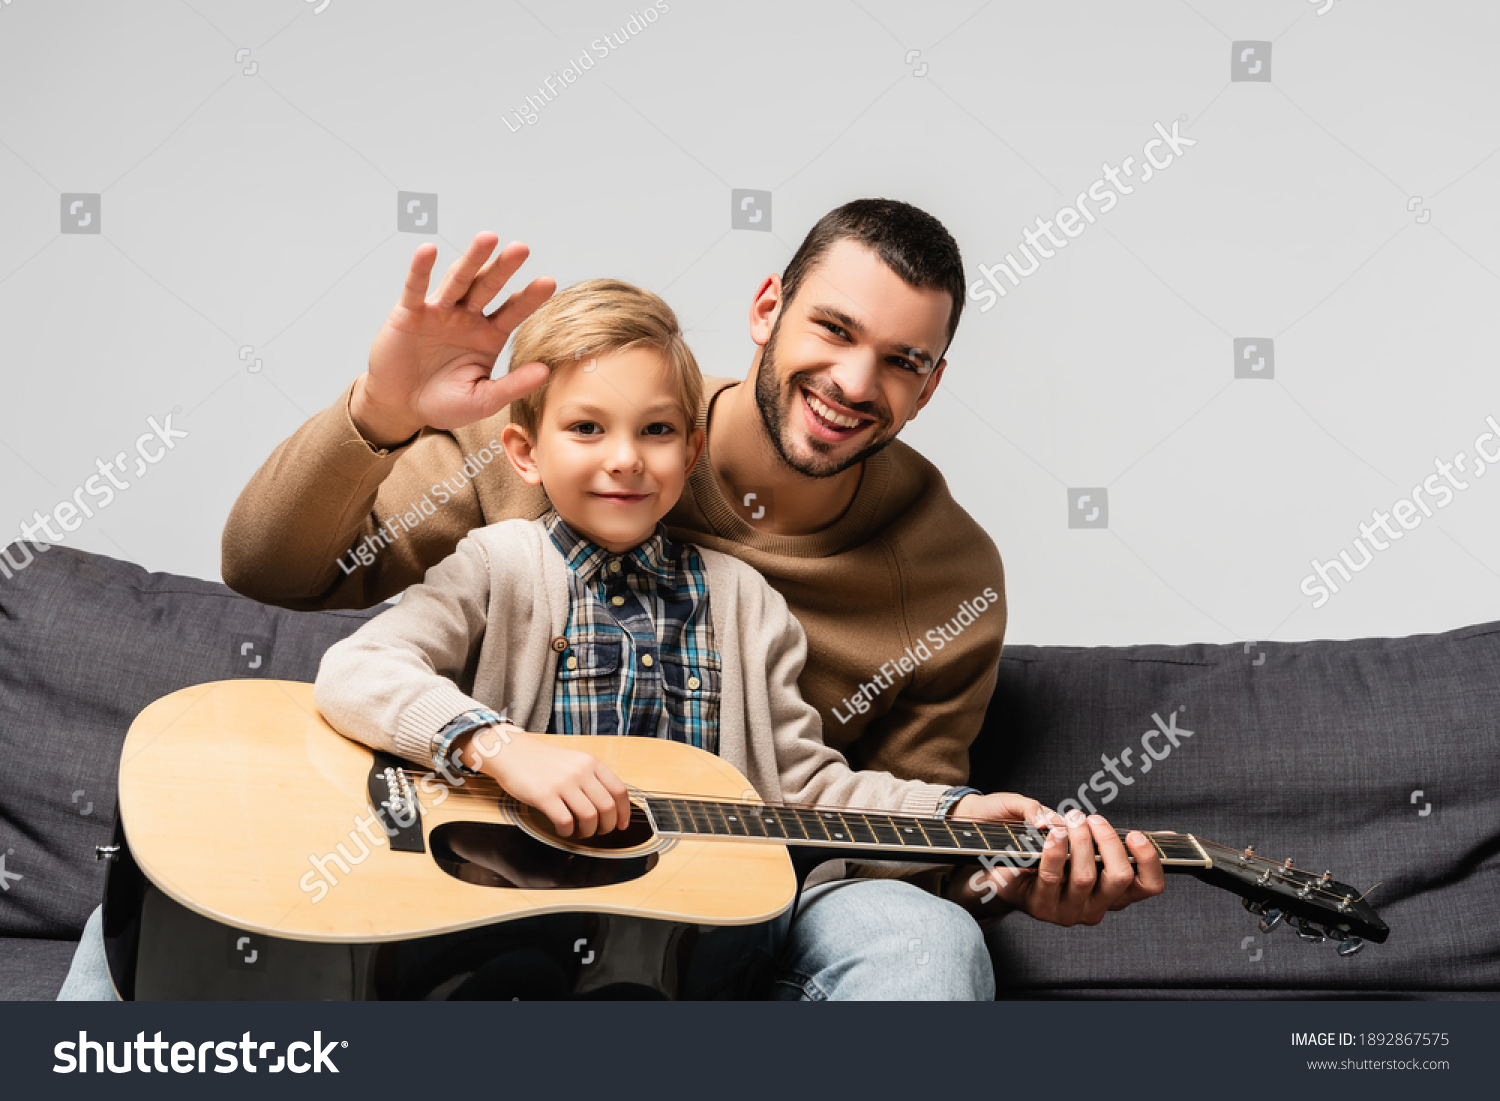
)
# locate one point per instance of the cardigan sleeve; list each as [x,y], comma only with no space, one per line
[391,684]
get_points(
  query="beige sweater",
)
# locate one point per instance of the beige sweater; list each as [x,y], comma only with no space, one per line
[477,632]
[902,570]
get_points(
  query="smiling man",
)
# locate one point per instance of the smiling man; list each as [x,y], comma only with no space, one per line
[899,591]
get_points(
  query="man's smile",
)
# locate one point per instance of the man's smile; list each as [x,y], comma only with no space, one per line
[829,421]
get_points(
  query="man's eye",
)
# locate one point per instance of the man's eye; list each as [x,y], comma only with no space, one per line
[831,327]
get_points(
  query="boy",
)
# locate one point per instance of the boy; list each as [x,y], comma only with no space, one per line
[590,620]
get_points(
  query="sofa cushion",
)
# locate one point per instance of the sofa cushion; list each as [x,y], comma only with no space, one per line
[1376,759]
[32,969]
[86,642]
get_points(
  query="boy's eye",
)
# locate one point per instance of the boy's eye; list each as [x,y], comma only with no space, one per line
[586,428]
[660,428]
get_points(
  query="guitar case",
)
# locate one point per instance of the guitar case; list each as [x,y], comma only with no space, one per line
[159,950]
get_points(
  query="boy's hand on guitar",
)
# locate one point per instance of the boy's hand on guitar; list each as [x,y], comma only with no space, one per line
[430,363]
[579,793]
[1066,886]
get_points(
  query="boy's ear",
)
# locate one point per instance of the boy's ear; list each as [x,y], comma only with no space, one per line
[519,451]
[695,448]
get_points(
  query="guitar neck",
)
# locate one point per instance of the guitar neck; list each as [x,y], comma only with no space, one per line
[1274,890]
[877,835]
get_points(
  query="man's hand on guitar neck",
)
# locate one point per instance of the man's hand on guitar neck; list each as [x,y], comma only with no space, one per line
[1055,890]
[578,793]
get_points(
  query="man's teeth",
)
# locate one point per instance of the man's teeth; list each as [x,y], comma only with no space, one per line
[829,415]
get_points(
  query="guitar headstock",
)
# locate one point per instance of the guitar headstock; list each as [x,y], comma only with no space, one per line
[1317,907]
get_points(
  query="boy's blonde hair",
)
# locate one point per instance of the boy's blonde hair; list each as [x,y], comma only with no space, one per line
[595,318]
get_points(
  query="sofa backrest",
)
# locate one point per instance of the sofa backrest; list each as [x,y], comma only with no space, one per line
[86,642]
[1375,759]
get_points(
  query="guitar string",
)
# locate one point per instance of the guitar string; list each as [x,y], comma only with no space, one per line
[489,782]
[1169,837]
[1173,839]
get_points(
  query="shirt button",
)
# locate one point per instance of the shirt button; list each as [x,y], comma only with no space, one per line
[559,644]
[647,660]
[694,683]
[572,663]
[614,567]
[617,600]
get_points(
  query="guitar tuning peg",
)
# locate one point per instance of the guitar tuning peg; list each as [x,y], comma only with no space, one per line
[1270,915]
[1348,944]
[1309,932]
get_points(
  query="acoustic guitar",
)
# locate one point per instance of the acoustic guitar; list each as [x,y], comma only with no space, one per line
[241,803]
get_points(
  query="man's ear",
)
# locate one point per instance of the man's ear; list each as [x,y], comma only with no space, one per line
[929,388]
[522,456]
[695,448]
[764,309]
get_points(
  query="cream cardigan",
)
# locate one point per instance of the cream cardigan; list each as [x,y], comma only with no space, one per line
[478,630]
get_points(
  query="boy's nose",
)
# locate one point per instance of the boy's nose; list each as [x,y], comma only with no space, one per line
[624,458]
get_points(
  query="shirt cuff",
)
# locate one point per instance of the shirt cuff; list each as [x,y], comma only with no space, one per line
[442,741]
[951,797]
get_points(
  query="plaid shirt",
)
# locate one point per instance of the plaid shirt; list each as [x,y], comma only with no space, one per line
[640,655]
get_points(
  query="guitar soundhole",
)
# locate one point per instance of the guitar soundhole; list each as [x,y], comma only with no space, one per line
[490,855]
[637,833]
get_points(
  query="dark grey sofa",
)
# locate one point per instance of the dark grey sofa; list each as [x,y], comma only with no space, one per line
[1311,750]
[1376,759]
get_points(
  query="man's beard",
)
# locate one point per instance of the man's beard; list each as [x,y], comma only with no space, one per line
[768,401]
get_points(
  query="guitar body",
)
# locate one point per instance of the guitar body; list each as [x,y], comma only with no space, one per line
[240,803]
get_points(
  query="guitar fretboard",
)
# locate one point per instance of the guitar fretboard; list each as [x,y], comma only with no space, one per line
[893,834]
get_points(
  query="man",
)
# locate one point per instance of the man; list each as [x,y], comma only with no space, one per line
[899,591]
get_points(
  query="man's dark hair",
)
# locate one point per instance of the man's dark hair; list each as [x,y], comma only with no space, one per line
[909,241]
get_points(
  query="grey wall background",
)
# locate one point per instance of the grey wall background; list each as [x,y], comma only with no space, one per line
[247,157]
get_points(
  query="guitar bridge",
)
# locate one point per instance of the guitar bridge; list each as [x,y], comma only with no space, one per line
[394,801]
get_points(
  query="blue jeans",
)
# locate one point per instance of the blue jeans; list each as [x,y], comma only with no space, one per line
[882,940]
[88,977]
[852,940]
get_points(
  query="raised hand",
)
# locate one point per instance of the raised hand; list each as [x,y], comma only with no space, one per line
[430,363]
